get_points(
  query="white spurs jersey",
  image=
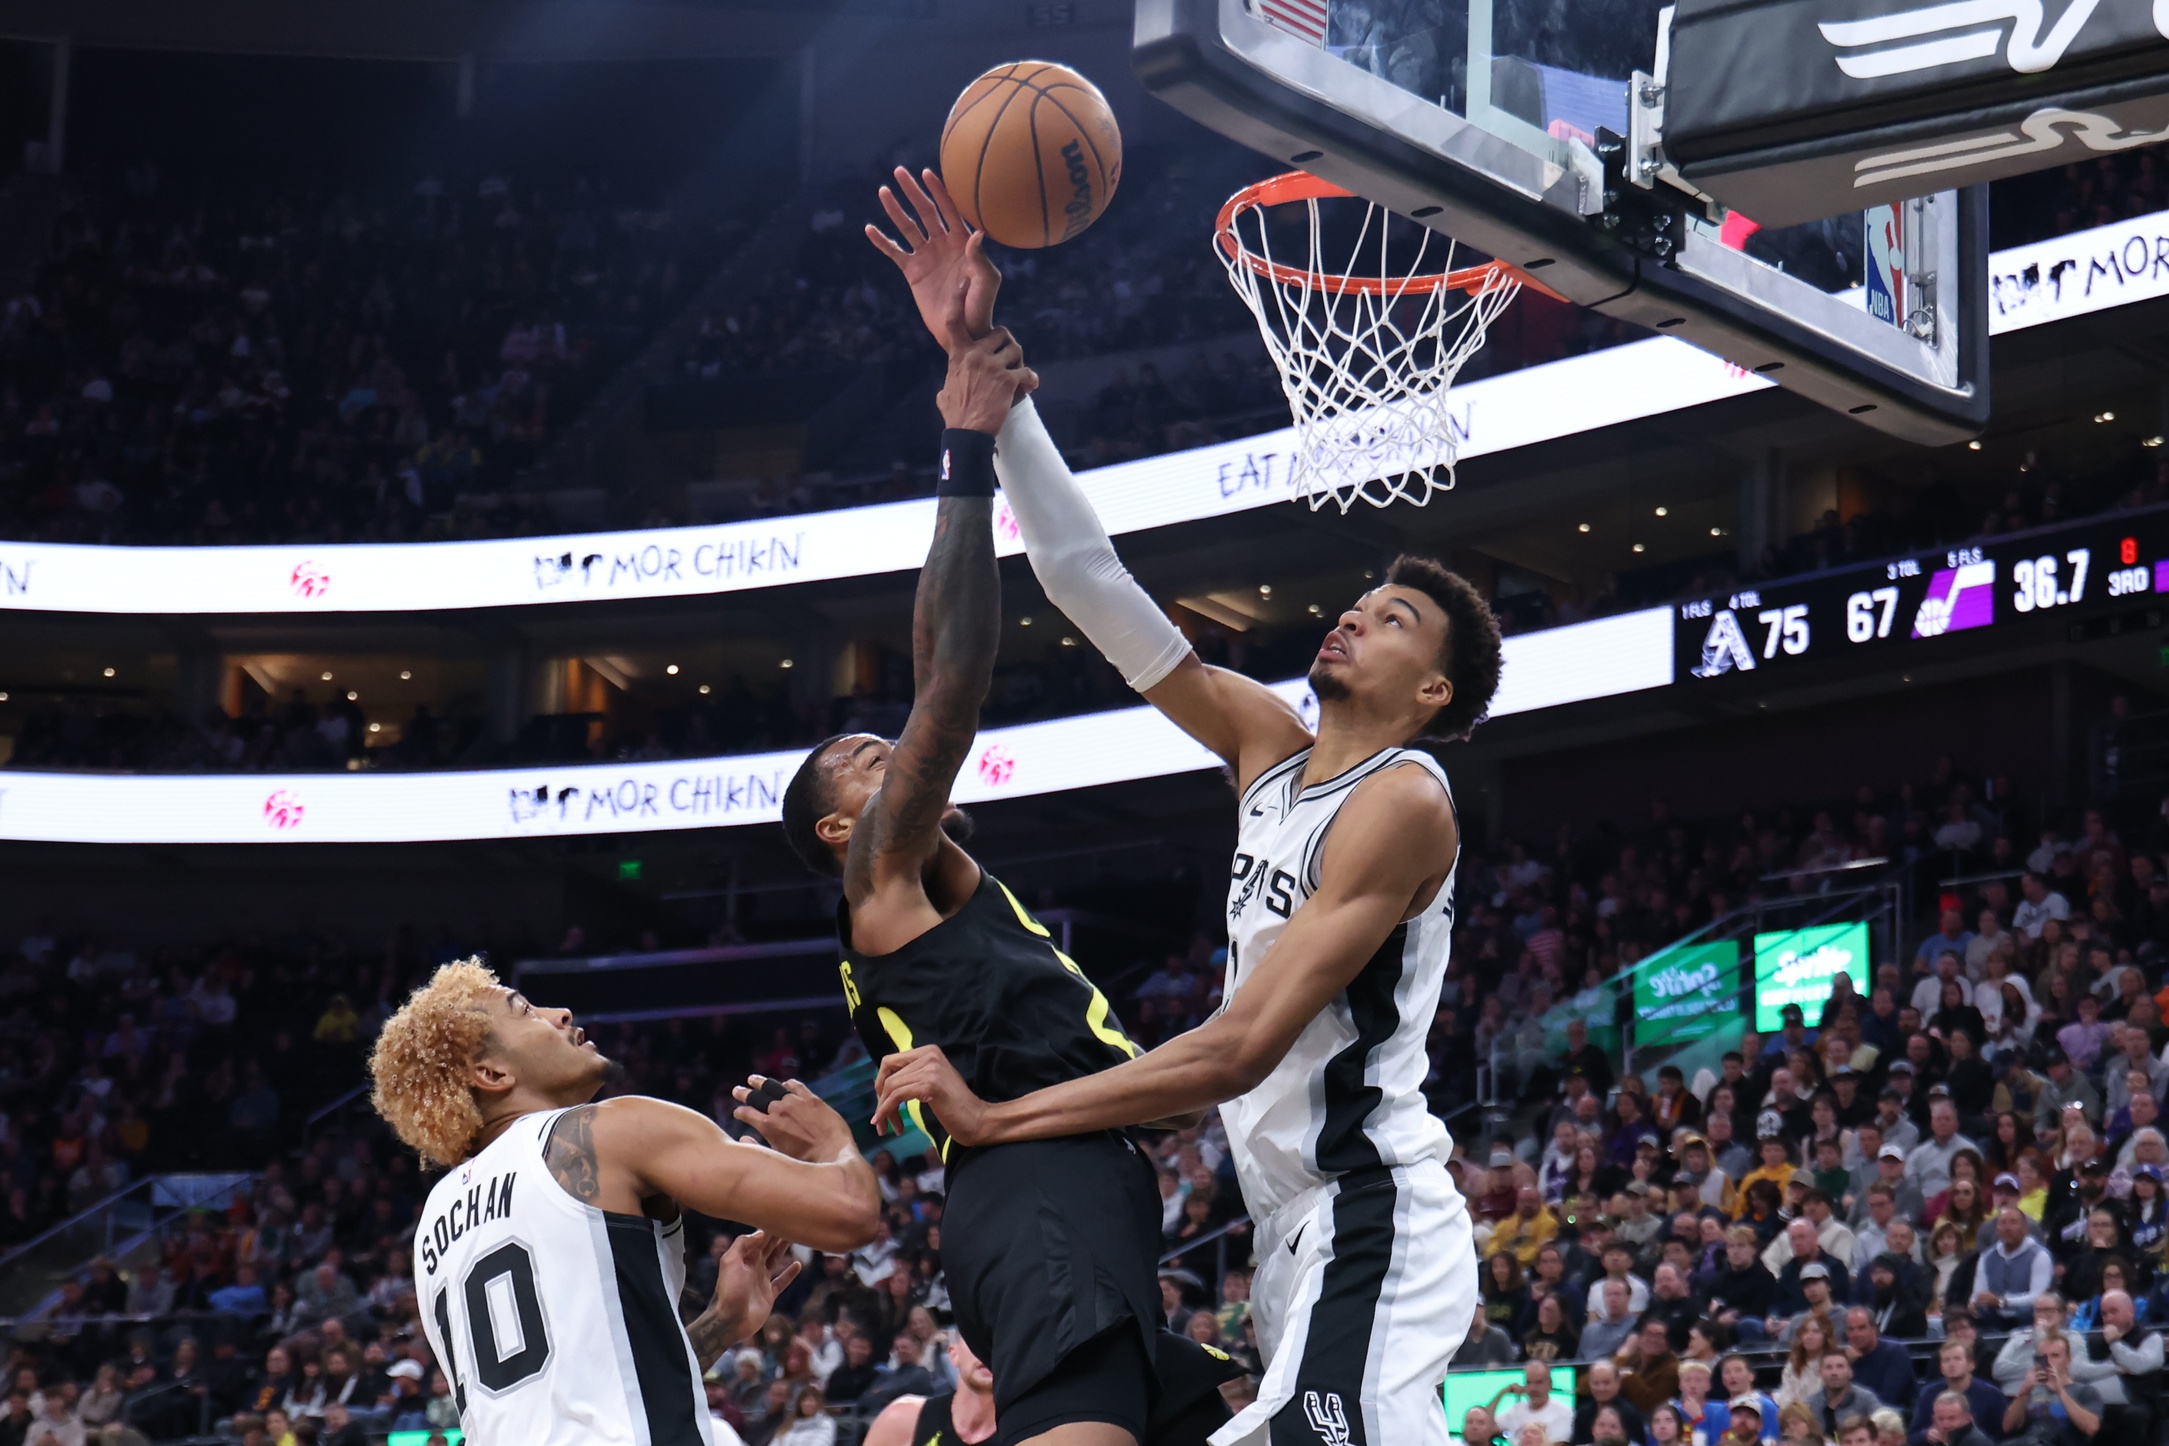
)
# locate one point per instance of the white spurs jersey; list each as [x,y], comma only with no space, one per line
[1349,1094]
[555,1322]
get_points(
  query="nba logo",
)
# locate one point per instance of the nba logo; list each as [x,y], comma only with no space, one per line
[945,464]
[1885,268]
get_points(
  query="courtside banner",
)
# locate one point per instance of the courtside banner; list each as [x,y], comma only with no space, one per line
[1496,414]
[1562,665]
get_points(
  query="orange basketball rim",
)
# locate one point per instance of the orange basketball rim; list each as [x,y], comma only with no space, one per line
[1303,186]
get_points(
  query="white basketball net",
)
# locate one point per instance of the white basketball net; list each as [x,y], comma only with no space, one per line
[1367,354]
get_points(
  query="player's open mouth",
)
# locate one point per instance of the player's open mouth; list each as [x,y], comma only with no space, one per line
[1333,647]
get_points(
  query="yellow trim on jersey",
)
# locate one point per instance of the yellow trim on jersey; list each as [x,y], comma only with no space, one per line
[900,1036]
[852,1001]
[1022,917]
[1099,1011]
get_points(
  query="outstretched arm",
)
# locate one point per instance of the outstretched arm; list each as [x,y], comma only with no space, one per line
[634,1148]
[1388,854]
[955,626]
[1248,725]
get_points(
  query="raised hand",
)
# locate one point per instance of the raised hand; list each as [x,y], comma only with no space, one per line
[985,378]
[939,255]
[801,1124]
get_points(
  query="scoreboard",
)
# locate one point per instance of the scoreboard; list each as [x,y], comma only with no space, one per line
[2077,572]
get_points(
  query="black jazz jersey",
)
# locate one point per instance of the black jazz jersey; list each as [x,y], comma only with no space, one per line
[1012,1012]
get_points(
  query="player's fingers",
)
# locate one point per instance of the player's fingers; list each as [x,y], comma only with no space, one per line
[907,225]
[740,1093]
[785,1276]
[798,1087]
[751,1118]
[929,214]
[944,203]
[1027,380]
[885,246]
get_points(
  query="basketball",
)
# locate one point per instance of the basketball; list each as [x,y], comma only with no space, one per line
[1031,153]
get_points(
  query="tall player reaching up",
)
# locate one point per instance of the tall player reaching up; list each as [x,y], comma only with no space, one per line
[1048,1247]
[549,1258]
[1340,911]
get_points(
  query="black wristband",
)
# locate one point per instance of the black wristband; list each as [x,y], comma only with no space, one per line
[967,463]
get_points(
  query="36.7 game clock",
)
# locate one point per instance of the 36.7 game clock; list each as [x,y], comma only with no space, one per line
[2072,571]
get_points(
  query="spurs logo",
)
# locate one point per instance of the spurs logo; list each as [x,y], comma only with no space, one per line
[2044,130]
[1327,1417]
[1951,34]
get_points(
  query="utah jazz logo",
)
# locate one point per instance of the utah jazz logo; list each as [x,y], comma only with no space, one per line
[1327,1417]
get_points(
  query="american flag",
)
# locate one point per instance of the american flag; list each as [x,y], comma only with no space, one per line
[1305,18]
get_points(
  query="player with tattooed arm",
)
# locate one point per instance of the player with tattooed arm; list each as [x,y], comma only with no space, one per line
[550,1257]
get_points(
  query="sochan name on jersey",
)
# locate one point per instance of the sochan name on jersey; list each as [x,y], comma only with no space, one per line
[480,1205]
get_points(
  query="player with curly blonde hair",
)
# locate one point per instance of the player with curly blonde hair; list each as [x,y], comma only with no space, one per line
[550,1257]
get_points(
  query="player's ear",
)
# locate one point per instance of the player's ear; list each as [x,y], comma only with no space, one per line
[1435,691]
[834,830]
[490,1073]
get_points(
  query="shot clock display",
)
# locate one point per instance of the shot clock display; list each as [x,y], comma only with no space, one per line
[1907,602]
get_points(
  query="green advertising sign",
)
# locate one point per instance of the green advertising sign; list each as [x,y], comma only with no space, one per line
[1797,966]
[1685,993]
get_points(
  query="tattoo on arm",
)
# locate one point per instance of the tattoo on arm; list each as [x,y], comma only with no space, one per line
[955,633]
[570,1154]
[706,1332]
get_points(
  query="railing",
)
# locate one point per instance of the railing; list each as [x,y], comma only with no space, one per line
[31,1273]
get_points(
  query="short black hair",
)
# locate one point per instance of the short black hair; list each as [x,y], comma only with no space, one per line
[1472,651]
[806,803]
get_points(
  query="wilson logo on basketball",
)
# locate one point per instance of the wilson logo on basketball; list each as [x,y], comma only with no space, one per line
[309,580]
[282,810]
[1079,212]
[996,767]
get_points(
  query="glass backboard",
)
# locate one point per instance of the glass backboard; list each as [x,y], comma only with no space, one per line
[1527,129]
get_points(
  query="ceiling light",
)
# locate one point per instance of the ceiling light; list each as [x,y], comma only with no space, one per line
[1069,642]
[406,675]
[1368,575]
[1664,511]
[672,669]
[352,696]
[2153,441]
[1973,446]
[1717,532]
[1024,622]
[3,696]
[1265,589]
[326,677]
[2104,416]
[109,672]
[705,690]
[786,663]
[1581,527]
[1316,611]
[1639,548]
[376,728]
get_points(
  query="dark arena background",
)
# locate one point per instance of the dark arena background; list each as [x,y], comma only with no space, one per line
[455,459]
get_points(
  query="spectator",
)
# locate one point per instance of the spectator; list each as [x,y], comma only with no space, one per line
[1884,1368]
[1603,1382]
[1839,1398]
[1534,1404]
[1649,1368]
[1952,1421]
[2050,1408]
[1984,1402]
[2012,1272]
[1610,1325]
[1928,1166]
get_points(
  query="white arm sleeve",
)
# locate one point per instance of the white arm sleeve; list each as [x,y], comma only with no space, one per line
[1073,559]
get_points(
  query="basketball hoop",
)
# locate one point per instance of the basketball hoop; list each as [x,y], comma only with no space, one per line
[1368,353]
